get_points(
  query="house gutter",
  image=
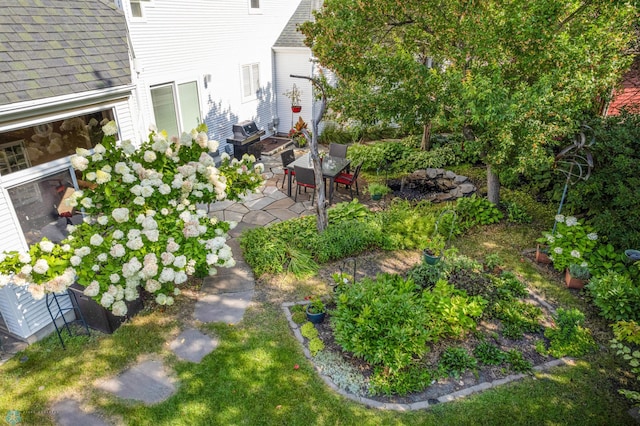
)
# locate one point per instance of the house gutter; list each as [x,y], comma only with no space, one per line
[28,109]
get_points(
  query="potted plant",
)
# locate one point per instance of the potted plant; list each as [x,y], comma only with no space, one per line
[378,190]
[570,242]
[294,96]
[433,250]
[576,276]
[542,254]
[316,310]
[296,134]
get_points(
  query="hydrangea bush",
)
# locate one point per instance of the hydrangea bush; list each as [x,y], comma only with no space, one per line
[571,244]
[145,221]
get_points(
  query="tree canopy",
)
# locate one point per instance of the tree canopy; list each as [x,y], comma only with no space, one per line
[515,76]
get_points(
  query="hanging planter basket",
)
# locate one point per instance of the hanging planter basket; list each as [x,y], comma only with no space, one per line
[296,108]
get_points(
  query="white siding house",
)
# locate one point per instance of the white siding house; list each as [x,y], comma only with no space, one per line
[205,61]
[64,66]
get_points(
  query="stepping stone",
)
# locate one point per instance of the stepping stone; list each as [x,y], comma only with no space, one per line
[232,216]
[278,195]
[297,208]
[148,381]
[193,345]
[259,204]
[237,231]
[285,203]
[228,308]
[258,217]
[221,205]
[69,413]
[238,208]
[235,282]
[283,214]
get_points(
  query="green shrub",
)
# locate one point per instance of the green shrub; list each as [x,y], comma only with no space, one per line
[426,276]
[609,196]
[308,330]
[476,210]
[335,133]
[510,286]
[455,361]
[492,261]
[516,213]
[517,318]
[569,337]
[625,343]
[381,321]
[453,313]
[263,252]
[347,239]
[516,361]
[405,226]
[346,211]
[616,295]
[489,354]
[315,345]
[605,258]
[298,317]
[413,378]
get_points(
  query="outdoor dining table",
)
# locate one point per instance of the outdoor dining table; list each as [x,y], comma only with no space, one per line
[331,167]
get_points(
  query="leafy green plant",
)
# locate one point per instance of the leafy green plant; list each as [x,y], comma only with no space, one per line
[606,258]
[492,261]
[516,361]
[378,189]
[344,375]
[426,276]
[572,242]
[315,345]
[616,295]
[475,210]
[381,321]
[453,312]
[298,317]
[517,318]
[489,354]
[454,361]
[316,306]
[509,286]
[569,337]
[625,343]
[516,213]
[308,330]
[413,378]
[346,239]
[580,272]
[347,211]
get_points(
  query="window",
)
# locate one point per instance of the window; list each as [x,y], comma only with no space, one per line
[176,115]
[31,146]
[254,6]
[137,8]
[250,81]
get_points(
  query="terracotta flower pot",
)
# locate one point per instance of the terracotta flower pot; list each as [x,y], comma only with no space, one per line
[573,282]
[541,256]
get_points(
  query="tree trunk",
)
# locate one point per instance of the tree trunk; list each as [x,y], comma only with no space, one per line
[321,204]
[493,186]
[425,145]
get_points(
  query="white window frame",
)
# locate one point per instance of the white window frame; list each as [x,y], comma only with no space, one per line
[254,10]
[143,5]
[176,102]
[253,86]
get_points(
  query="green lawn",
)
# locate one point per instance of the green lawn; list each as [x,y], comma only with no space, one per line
[250,378]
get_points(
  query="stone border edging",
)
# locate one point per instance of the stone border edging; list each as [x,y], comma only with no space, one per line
[420,405]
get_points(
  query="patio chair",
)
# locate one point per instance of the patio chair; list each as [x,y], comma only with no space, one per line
[349,179]
[338,150]
[287,158]
[305,178]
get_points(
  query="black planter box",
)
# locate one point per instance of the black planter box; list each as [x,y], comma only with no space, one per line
[99,318]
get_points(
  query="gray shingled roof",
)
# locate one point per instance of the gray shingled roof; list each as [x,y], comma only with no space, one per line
[58,47]
[290,36]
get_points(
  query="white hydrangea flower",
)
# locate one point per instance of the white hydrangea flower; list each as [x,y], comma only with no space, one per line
[26,270]
[95,268]
[102,177]
[107,300]
[571,221]
[79,163]
[41,266]
[128,178]
[152,286]
[117,234]
[130,293]
[167,275]
[149,156]
[92,289]
[82,251]
[91,176]
[128,147]
[169,301]
[117,251]
[46,246]
[119,308]
[575,253]
[103,220]
[120,214]
[559,218]
[135,243]
[96,240]
[592,236]
[180,261]
[110,128]
[164,189]
[181,277]
[161,299]
[558,250]
[140,201]
[37,291]
[114,278]
[75,260]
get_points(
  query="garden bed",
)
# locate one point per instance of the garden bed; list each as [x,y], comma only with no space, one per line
[488,330]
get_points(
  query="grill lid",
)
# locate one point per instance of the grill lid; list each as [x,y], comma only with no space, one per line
[244,129]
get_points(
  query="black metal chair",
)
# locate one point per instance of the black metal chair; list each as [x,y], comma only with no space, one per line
[305,178]
[349,179]
[287,158]
[338,150]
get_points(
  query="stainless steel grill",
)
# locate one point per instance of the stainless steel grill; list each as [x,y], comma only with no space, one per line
[245,135]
